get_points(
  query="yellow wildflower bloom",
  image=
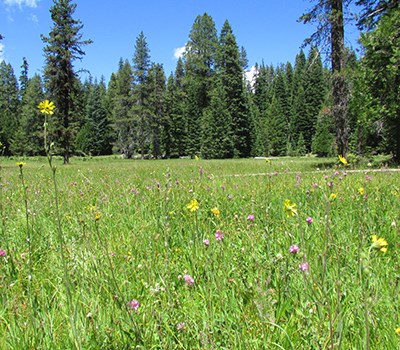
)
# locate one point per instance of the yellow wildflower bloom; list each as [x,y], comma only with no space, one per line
[289,207]
[193,205]
[342,159]
[196,157]
[20,164]
[332,196]
[379,244]
[46,107]
[215,211]
[397,330]
[361,191]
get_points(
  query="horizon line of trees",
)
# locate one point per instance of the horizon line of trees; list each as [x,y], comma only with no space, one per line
[206,106]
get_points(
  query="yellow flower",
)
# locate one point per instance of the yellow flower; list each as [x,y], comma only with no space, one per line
[215,211]
[397,330]
[342,159]
[289,207]
[21,164]
[361,191]
[46,107]
[196,157]
[379,244]
[332,196]
[98,216]
[193,205]
[267,161]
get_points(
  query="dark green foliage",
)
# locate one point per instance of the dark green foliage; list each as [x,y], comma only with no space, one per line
[23,78]
[63,46]
[94,137]
[29,137]
[9,105]
[217,133]
[140,104]
[324,138]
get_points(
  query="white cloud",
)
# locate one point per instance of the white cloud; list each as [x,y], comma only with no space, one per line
[251,74]
[20,3]
[34,18]
[178,53]
[1,52]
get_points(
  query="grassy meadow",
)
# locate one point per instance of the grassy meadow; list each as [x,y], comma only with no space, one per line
[291,253]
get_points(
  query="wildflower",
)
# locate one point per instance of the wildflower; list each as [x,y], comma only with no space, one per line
[379,244]
[134,304]
[309,220]
[97,217]
[361,191]
[290,207]
[332,196]
[193,205]
[189,280]
[215,211]
[342,159]
[267,160]
[46,107]
[196,157]
[250,217]
[397,330]
[20,164]
[294,249]
[303,267]
[219,235]
[3,252]
[180,326]
[206,242]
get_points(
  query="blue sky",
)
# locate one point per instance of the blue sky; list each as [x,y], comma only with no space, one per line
[268,30]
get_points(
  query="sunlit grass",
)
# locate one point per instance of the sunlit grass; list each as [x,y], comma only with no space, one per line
[132,242]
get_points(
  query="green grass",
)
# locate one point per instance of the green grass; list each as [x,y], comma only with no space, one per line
[129,235]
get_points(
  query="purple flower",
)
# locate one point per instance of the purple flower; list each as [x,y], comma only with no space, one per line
[304,266]
[250,217]
[2,252]
[180,326]
[206,242]
[294,249]
[219,235]
[134,304]
[189,280]
[309,220]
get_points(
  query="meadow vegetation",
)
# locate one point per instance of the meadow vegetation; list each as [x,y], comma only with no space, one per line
[284,253]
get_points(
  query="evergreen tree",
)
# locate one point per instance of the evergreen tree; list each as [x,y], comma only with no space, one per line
[217,140]
[63,46]
[230,71]
[120,107]
[324,138]
[23,79]
[175,127]
[94,137]
[156,82]
[28,140]
[277,137]
[199,60]
[140,108]
[9,105]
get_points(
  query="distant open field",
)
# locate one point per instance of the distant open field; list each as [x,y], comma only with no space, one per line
[288,253]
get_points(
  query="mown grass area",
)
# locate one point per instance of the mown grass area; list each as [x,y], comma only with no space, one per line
[141,265]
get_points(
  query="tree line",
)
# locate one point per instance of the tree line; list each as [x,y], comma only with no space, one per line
[207,106]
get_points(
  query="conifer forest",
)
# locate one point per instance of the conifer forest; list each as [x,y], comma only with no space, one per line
[347,103]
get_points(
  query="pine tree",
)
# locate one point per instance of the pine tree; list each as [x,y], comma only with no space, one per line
[120,108]
[324,138]
[23,79]
[199,61]
[29,138]
[229,66]
[9,105]
[140,107]
[156,82]
[63,46]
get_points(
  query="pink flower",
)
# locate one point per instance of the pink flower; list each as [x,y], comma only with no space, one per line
[309,220]
[219,235]
[206,242]
[294,249]
[134,304]
[180,326]
[189,280]
[250,217]
[304,266]
[2,252]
